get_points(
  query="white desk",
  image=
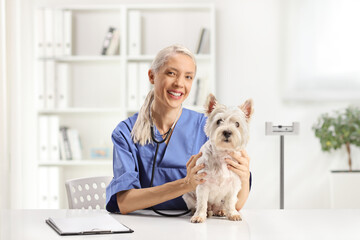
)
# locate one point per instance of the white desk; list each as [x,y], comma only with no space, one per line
[256,224]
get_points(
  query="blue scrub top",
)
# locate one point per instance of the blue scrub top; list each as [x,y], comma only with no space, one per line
[132,163]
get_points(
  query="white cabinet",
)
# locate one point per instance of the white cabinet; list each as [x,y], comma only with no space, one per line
[86,93]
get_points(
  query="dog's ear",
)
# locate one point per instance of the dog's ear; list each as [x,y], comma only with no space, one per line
[247,108]
[210,104]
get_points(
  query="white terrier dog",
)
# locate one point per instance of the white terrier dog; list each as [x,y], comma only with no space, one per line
[228,131]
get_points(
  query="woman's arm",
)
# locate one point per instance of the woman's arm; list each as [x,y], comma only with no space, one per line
[241,168]
[135,199]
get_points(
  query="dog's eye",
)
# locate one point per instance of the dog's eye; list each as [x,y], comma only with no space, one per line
[219,121]
[237,124]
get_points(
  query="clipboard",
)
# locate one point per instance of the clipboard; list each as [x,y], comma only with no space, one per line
[100,224]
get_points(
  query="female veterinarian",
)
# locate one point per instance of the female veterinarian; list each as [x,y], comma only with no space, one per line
[155,150]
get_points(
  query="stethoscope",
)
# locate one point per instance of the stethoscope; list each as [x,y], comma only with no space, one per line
[168,133]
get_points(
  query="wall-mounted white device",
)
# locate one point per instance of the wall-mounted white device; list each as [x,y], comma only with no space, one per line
[282,130]
[270,129]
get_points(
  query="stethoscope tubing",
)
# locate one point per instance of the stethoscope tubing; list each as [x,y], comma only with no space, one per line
[153,171]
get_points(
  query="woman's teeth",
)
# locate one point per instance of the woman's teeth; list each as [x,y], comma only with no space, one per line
[175,94]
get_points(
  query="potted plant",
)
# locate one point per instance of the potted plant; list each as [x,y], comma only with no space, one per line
[341,128]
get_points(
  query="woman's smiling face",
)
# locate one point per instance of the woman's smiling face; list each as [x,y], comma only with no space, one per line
[173,81]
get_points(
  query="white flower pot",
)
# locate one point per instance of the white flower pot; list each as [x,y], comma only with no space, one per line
[345,189]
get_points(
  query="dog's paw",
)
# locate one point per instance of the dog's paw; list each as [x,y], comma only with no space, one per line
[197,219]
[220,213]
[234,217]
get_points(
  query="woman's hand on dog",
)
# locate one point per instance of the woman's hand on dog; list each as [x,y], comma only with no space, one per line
[193,178]
[241,164]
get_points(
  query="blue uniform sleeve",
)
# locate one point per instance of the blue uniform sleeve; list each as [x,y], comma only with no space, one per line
[125,166]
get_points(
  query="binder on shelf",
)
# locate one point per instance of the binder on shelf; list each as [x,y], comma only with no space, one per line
[132,84]
[203,46]
[48,188]
[41,93]
[50,84]
[62,85]
[40,32]
[143,82]
[134,43]
[58,33]
[43,123]
[53,188]
[53,130]
[67,28]
[49,32]
[43,188]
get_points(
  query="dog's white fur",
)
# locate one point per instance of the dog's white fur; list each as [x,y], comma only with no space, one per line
[228,131]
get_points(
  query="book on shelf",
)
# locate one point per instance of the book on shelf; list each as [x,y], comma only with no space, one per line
[203,46]
[70,145]
[107,40]
[114,45]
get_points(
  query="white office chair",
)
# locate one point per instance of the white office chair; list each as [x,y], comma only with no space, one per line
[87,193]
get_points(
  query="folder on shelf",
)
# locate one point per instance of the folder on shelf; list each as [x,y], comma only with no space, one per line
[97,224]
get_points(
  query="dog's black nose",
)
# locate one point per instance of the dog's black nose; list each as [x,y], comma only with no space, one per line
[226,134]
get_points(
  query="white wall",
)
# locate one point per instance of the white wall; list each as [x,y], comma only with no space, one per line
[249,64]
[4,153]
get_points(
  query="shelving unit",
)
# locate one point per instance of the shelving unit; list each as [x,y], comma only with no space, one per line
[81,89]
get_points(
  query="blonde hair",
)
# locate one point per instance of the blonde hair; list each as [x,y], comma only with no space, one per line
[141,132]
[163,56]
